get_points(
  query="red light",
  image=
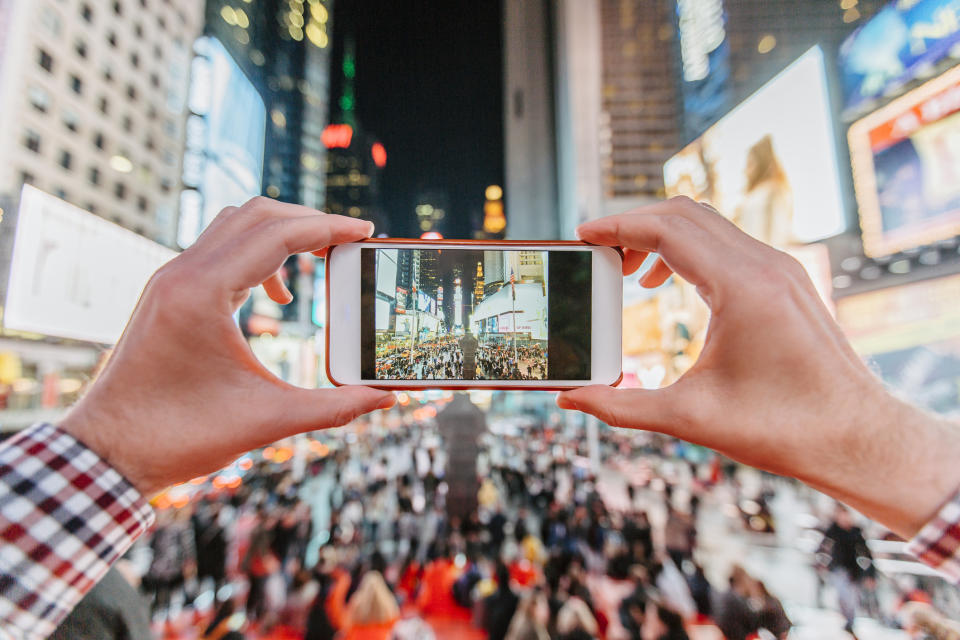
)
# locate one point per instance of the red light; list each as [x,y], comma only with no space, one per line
[431,235]
[338,136]
[379,155]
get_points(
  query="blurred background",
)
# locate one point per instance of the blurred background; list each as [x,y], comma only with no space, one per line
[829,128]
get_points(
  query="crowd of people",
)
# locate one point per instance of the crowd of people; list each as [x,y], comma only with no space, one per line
[499,362]
[362,543]
[443,359]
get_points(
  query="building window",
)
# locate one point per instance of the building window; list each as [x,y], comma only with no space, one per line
[98,140]
[117,220]
[162,23]
[142,204]
[112,39]
[127,123]
[154,81]
[66,159]
[92,208]
[71,120]
[104,105]
[31,140]
[131,92]
[94,175]
[50,19]
[165,185]
[150,144]
[135,60]
[138,30]
[157,51]
[45,60]
[60,192]
[107,73]
[39,99]
[118,8]
[120,190]
[76,84]
[140,231]
[86,12]
[27,178]
[151,112]
[81,48]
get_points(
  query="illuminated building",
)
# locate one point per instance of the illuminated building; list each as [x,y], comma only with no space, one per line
[284,48]
[478,285]
[457,305]
[94,97]
[355,158]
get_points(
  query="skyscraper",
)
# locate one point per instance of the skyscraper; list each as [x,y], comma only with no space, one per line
[94,98]
[284,48]
[355,158]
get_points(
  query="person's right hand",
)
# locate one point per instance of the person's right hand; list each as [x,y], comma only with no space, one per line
[777,386]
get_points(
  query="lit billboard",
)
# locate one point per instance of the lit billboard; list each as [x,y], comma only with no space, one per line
[906,168]
[223,164]
[74,274]
[770,164]
[894,47]
[911,336]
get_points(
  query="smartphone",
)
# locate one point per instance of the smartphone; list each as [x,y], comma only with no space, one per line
[415,314]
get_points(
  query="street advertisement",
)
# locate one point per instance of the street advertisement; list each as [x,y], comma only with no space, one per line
[705,62]
[895,46]
[223,163]
[906,168]
[911,336]
[770,164]
[74,274]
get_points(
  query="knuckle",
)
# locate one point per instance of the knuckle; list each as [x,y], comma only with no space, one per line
[257,205]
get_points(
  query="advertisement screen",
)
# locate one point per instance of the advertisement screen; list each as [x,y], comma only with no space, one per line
[770,164]
[895,45]
[520,327]
[906,168]
[225,138]
[911,336]
[73,274]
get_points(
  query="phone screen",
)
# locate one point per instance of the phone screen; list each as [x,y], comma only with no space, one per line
[466,314]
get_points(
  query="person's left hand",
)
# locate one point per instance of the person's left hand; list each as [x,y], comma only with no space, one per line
[183,394]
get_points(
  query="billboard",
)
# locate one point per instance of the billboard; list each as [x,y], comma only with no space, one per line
[895,46]
[387,271]
[73,274]
[223,163]
[770,164]
[906,168]
[911,336]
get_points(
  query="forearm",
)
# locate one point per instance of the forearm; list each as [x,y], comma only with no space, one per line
[65,517]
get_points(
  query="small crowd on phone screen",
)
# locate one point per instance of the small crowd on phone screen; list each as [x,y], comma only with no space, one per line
[472,315]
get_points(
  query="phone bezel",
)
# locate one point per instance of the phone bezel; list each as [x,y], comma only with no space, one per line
[342,329]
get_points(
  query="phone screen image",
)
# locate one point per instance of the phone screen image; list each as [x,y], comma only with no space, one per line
[469,314]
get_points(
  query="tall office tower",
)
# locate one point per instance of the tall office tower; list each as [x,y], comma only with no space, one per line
[767,35]
[430,272]
[642,108]
[355,159]
[284,48]
[93,97]
[493,272]
[478,285]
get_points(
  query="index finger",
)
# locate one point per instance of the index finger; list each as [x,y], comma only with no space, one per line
[260,251]
[690,239]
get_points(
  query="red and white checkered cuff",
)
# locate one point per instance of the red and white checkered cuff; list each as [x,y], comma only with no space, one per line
[938,543]
[65,517]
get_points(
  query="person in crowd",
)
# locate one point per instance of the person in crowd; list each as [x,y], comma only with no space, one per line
[181,361]
[211,544]
[499,607]
[174,558]
[850,561]
[260,565]
[733,614]
[372,610]
[576,622]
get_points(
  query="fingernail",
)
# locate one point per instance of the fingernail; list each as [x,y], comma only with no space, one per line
[370,229]
[565,403]
[576,232]
[387,402]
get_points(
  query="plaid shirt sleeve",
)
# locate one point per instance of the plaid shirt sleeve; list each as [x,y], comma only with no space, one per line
[938,543]
[65,517]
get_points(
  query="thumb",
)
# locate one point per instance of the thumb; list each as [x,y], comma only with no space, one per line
[310,409]
[633,408]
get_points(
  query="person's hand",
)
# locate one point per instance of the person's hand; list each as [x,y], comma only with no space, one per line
[182,394]
[777,386]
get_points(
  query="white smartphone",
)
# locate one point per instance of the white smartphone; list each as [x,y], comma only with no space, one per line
[415,314]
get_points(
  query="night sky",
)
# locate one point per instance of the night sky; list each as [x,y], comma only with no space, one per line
[429,86]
